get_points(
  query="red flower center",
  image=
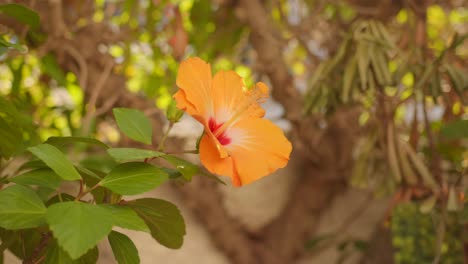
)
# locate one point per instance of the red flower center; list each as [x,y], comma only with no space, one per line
[222,137]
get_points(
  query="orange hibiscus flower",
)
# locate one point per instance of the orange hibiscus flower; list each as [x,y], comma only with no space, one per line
[237,141]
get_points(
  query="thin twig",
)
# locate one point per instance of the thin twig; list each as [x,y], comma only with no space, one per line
[91,107]
[83,193]
[295,30]
[42,244]
[83,78]
[107,105]
[440,234]
[435,158]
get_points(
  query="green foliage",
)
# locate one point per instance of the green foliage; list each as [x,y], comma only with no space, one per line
[43,177]
[124,250]
[62,141]
[56,160]
[16,128]
[78,226]
[5,45]
[163,219]
[187,169]
[415,236]
[129,154]
[50,67]
[20,208]
[134,178]
[455,130]
[21,13]
[127,218]
[40,101]
[56,255]
[134,124]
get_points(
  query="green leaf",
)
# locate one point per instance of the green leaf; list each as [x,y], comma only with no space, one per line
[6,44]
[128,154]
[21,242]
[457,129]
[20,208]
[22,14]
[44,177]
[50,66]
[56,255]
[187,169]
[127,218]
[62,141]
[134,124]
[56,160]
[102,163]
[33,164]
[10,138]
[134,178]
[124,250]
[78,226]
[163,219]
[44,193]
[63,197]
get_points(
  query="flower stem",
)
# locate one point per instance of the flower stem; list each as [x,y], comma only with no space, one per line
[84,192]
[166,134]
[194,151]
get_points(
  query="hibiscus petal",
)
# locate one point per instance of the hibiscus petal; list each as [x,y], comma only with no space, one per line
[258,148]
[211,158]
[194,78]
[228,94]
[183,104]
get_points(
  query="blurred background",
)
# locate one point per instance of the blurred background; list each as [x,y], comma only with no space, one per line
[372,95]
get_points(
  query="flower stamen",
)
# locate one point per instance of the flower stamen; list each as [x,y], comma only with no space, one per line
[256,96]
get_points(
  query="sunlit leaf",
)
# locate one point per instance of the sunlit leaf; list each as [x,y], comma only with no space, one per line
[78,226]
[134,178]
[134,124]
[56,160]
[20,208]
